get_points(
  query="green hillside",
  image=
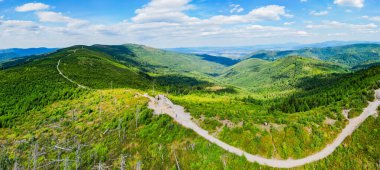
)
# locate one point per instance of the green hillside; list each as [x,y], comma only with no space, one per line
[34,82]
[350,55]
[160,60]
[99,70]
[278,109]
[282,74]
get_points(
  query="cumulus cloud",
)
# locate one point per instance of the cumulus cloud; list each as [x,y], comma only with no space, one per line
[163,11]
[173,11]
[166,23]
[49,16]
[350,3]
[32,7]
[266,13]
[319,13]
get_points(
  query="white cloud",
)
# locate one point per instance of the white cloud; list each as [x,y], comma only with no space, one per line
[344,26]
[32,7]
[17,24]
[372,18]
[302,33]
[319,13]
[266,13]
[265,28]
[173,11]
[163,11]
[270,12]
[289,23]
[350,3]
[165,23]
[235,8]
[49,16]
[337,34]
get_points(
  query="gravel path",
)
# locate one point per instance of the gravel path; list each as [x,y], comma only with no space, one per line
[72,81]
[162,105]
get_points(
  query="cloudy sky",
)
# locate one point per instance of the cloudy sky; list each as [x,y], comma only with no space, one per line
[184,23]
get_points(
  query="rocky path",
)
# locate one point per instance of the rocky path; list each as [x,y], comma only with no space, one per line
[162,105]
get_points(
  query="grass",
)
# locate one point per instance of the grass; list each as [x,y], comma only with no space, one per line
[114,123]
[281,75]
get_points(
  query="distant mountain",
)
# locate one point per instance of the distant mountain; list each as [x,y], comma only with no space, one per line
[333,44]
[350,55]
[236,52]
[7,54]
[162,60]
[257,74]
[239,52]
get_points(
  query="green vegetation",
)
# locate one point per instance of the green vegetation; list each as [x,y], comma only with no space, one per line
[288,108]
[350,55]
[103,128]
[31,87]
[161,61]
[280,75]
[98,70]
[360,151]
[351,91]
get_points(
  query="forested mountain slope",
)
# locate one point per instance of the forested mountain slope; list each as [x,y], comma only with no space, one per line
[34,82]
[160,60]
[282,74]
[350,55]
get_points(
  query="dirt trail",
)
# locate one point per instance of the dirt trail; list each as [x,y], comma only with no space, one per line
[162,105]
[72,81]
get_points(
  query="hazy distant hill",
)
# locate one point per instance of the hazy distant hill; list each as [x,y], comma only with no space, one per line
[239,52]
[351,55]
[6,54]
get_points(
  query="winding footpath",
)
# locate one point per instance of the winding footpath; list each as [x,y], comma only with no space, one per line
[72,81]
[162,105]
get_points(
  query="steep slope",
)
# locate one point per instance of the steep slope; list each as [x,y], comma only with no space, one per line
[257,74]
[37,83]
[351,55]
[34,82]
[160,60]
[32,86]
[98,70]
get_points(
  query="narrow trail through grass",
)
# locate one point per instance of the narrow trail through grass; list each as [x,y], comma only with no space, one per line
[72,81]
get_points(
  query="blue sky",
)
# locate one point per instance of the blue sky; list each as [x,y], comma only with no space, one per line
[183,23]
